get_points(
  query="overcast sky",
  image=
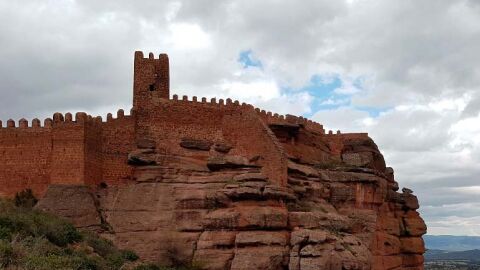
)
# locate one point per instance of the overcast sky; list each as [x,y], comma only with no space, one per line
[407,72]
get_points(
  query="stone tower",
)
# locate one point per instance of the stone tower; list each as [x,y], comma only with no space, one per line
[151,79]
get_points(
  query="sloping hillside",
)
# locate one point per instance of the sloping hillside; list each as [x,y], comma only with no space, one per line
[31,239]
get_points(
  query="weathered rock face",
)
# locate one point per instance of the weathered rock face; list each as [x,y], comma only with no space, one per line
[339,210]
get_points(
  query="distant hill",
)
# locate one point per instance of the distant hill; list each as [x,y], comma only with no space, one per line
[469,255]
[452,243]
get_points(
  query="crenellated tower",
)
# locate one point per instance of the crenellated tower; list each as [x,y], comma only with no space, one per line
[151,78]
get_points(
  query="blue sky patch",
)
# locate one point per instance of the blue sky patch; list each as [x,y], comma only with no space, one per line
[322,89]
[372,111]
[325,97]
[247,59]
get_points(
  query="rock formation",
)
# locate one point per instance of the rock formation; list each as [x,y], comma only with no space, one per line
[228,186]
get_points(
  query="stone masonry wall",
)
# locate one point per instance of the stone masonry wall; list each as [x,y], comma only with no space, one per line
[25,155]
[84,151]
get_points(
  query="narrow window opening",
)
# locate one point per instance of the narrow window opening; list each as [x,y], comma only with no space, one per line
[152,87]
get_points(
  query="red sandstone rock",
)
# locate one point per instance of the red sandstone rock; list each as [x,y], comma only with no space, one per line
[411,260]
[261,238]
[222,147]
[412,245]
[281,194]
[146,144]
[414,224]
[76,203]
[268,258]
[228,162]
[141,157]
[196,144]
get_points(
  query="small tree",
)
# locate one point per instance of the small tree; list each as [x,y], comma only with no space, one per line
[25,199]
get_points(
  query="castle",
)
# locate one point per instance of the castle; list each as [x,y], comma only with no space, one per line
[86,150]
[218,182]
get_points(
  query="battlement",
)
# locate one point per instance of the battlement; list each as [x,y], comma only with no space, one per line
[59,119]
[266,116]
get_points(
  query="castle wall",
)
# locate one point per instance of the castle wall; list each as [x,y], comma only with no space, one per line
[118,139]
[93,155]
[68,153]
[25,155]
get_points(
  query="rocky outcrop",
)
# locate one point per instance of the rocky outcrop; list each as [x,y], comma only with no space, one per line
[340,208]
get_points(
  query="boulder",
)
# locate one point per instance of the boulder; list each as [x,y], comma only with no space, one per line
[410,201]
[215,163]
[202,145]
[216,239]
[414,225]
[412,260]
[300,236]
[385,244]
[264,258]
[222,147]
[302,169]
[386,262]
[390,174]
[250,177]
[74,202]
[261,238]
[242,193]
[357,159]
[277,192]
[146,144]
[412,245]
[214,259]
[141,157]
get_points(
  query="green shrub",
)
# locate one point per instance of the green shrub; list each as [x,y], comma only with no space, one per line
[152,266]
[59,262]
[7,254]
[25,199]
[148,267]
[36,224]
[101,246]
[129,255]
[5,233]
[63,234]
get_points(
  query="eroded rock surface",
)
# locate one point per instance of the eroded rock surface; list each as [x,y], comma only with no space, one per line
[340,208]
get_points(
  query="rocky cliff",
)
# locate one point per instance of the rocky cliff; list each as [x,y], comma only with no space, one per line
[340,207]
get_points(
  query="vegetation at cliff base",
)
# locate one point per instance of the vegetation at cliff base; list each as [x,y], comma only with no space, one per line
[31,239]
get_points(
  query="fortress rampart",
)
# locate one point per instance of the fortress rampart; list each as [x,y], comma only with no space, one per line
[87,150]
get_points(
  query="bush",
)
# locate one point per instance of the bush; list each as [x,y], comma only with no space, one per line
[27,222]
[7,255]
[156,267]
[148,267]
[129,255]
[101,246]
[25,199]
[62,234]
[5,232]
